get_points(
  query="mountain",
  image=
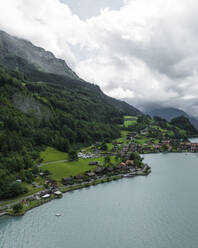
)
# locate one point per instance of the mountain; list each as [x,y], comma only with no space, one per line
[170,113]
[12,49]
[38,65]
[44,103]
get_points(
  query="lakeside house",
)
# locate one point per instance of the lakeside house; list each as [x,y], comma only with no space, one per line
[94,163]
[58,193]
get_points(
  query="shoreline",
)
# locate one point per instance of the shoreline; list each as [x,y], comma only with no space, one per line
[65,190]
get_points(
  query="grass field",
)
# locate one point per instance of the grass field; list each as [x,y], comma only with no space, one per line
[123,137]
[129,120]
[51,154]
[66,169]
[110,146]
[127,117]
[141,141]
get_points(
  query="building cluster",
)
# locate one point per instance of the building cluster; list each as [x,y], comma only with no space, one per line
[169,145]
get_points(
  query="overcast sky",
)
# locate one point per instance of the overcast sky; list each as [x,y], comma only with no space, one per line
[145,51]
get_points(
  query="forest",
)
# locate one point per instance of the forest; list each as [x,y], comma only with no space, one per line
[70,118]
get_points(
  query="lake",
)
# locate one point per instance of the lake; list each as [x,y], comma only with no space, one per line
[157,211]
[194,140]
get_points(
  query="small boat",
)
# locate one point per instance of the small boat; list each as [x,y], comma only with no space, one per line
[58,214]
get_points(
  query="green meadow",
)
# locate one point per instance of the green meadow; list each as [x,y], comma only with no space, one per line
[51,155]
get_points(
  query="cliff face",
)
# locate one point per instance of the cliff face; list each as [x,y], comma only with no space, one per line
[12,47]
[30,105]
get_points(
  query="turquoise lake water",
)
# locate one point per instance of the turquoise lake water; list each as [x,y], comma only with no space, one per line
[194,140]
[157,211]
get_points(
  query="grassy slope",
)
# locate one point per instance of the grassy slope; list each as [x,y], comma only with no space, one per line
[60,170]
[129,120]
[51,154]
[123,137]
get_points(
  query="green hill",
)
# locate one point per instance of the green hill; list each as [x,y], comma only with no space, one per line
[43,103]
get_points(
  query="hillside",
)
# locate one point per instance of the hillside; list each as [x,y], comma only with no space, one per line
[184,123]
[170,113]
[13,48]
[38,65]
[35,115]
[43,103]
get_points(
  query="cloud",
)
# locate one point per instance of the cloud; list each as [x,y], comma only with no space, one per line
[145,52]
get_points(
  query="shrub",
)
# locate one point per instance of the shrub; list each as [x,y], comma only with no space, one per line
[17,207]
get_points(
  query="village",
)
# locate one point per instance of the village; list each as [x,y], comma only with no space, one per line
[102,162]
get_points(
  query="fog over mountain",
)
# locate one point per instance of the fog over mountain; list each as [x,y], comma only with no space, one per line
[145,51]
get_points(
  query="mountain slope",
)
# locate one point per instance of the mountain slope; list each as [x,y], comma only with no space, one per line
[170,113]
[36,115]
[12,48]
[184,123]
[38,65]
[43,103]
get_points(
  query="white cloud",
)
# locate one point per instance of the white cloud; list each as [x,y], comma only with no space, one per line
[146,52]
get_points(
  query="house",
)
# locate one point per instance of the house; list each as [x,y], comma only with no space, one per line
[99,170]
[91,174]
[30,198]
[58,193]
[109,169]
[165,142]
[94,163]
[66,181]
[122,164]
[130,163]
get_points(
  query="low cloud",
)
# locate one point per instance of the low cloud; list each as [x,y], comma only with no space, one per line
[145,52]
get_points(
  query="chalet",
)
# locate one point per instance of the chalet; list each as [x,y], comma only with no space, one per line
[30,198]
[66,181]
[94,163]
[91,174]
[79,177]
[58,193]
[130,163]
[119,167]
[99,170]
[157,147]
[109,169]
[166,142]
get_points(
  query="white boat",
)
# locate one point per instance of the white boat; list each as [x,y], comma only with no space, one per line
[58,214]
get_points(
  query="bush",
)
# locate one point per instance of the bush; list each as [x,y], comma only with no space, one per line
[17,207]
[73,155]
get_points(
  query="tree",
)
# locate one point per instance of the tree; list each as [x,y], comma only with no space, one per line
[104,147]
[118,157]
[107,160]
[184,123]
[17,207]
[73,155]
[137,158]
